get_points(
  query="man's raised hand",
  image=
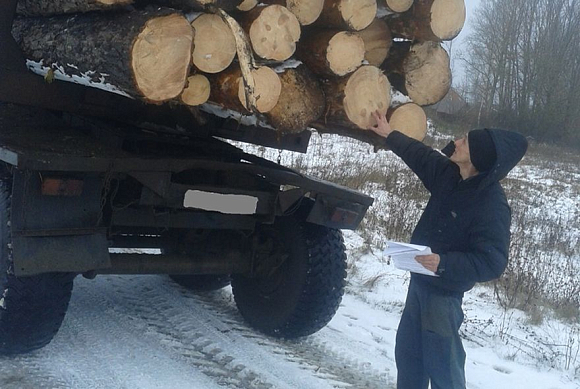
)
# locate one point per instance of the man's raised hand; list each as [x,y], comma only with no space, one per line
[382,127]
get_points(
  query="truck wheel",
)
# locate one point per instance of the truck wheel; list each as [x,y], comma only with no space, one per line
[31,308]
[202,282]
[299,285]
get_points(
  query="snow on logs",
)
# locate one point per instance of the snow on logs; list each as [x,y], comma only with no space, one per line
[144,54]
[324,64]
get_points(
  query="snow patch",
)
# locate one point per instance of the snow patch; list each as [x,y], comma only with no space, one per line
[85,78]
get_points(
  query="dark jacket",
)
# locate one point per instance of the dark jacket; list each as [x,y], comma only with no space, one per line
[466,222]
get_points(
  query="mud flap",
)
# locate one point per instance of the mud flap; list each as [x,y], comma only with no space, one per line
[57,231]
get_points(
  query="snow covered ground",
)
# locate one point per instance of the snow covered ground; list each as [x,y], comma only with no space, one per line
[140,332]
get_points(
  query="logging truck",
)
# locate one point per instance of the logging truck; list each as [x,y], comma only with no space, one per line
[115,117]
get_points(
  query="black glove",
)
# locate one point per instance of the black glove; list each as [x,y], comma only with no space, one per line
[449,149]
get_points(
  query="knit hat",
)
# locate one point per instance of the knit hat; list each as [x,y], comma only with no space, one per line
[481,149]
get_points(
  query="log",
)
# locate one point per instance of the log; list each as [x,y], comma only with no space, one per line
[399,5]
[247,5]
[227,89]
[145,54]
[57,7]
[332,53]
[273,31]
[197,90]
[196,5]
[377,39]
[420,71]
[347,14]
[351,100]
[301,101]
[410,119]
[214,44]
[306,11]
[429,20]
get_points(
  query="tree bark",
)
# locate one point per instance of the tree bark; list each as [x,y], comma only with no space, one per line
[420,71]
[332,53]
[214,44]
[273,31]
[429,20]
[197,90]
[351,100]
[227,89]
[301,101]
[196,5]
[146,54]
[306,11]
[410,119]
[57,7]
[347,14]
[399,5]
[377,39]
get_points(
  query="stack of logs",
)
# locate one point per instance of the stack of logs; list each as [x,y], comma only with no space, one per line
[295,64]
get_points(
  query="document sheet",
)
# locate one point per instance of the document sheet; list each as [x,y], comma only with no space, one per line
[403,256]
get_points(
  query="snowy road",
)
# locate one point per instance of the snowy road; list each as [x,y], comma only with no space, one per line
[148,332]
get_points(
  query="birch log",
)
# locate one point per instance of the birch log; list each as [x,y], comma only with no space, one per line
[197,90]
[57,7]
[196,5]
[377,39]
[145,54]
[410,119]
[421,72]
[306,11]
[301,101]
[227,89]
[332,53]
[273,31]
[214,44]
[351,100]
[429,20]
[399,5]
[347,14]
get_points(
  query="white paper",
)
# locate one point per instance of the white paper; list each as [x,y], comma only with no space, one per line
[403,256]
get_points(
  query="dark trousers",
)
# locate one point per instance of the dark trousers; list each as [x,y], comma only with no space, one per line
[428,346]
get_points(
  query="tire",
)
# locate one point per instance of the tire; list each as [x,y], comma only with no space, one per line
[300,295]
[31,308]
[202,282]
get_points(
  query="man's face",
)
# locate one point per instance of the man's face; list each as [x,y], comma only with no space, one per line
[461,154]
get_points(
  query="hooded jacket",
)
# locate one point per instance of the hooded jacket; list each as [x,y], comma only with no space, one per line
[466,222]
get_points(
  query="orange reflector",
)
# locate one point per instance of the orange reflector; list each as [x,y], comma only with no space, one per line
[62,187]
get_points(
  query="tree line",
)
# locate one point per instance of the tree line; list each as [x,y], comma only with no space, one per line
[523,68]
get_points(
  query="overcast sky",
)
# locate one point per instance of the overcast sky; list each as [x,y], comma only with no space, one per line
[458,43]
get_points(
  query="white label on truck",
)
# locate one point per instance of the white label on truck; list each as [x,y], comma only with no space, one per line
[224,203]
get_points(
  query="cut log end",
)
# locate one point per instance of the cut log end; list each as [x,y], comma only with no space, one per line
[197,90]
[306,11]
[247,5]
[427,73]
[214,44]
[367,90]
[377,39]
[410,119]
[267,89]
[274,33]
[345,53]
[358,14]
[161,57]
[399,5]
[447,18]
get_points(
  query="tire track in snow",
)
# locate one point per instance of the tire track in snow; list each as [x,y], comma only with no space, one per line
[323,360]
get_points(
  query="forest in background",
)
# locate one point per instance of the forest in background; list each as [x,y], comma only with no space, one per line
[522,65]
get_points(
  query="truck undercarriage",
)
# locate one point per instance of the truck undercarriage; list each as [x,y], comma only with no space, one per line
[86,175]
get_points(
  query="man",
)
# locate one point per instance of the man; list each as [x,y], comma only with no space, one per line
[467,225]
